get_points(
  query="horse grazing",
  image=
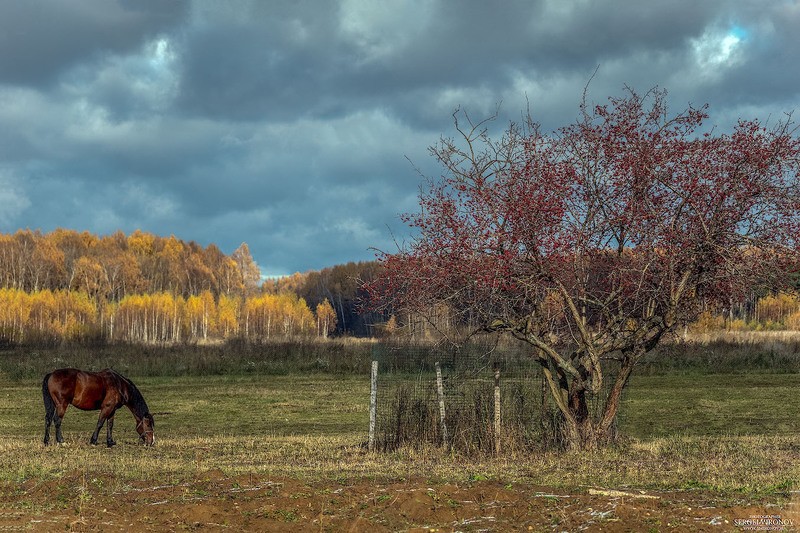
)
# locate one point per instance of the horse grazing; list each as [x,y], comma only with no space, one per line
[106,390]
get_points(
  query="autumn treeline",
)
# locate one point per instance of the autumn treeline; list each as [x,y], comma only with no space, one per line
[342,286]
[770,312]
[115,266]
[66,285]
[76,286]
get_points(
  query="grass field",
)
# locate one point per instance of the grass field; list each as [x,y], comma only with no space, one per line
[732,433]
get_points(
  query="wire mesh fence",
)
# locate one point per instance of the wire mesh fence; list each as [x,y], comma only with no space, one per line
[483,399]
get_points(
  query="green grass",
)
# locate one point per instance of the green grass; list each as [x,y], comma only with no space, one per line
[728,433]
[242,406]
[712,405]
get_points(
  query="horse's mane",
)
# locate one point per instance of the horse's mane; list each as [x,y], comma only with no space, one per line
[135,398]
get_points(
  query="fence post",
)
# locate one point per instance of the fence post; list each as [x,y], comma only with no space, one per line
[497,408]
[440,392]
[373,405]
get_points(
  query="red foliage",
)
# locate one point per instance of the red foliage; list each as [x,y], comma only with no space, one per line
[625,210]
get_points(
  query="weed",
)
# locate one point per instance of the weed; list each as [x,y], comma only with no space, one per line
[287,515]
[693,484]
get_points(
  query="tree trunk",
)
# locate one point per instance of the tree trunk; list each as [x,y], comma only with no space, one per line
[608,422]
[579,429]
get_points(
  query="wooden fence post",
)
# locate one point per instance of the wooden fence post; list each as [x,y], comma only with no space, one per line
[373,405]
[440,392]
[497,408]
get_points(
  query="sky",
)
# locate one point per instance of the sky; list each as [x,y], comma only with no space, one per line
[302,127]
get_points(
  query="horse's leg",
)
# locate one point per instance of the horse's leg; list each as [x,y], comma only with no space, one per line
[100,422]
[58,416]
[49,409]
[106,413]
[109,427]
[48,418]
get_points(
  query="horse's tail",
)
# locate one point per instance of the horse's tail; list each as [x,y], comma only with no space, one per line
[49,405]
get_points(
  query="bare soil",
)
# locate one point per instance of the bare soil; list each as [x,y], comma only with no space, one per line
[215,502]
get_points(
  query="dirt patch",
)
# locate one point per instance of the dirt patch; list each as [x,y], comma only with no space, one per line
[215,502]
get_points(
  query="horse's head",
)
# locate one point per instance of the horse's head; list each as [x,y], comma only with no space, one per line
[146,430]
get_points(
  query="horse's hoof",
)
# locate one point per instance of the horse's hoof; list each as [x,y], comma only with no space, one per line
[110,444]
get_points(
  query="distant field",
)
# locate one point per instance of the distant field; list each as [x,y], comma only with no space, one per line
[708,405]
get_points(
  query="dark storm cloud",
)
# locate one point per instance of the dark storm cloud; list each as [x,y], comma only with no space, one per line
[41,39]
[280,63]
[263,61]
[287,124]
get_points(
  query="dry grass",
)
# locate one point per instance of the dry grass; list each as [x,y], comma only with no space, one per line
[742,337]
[750,466]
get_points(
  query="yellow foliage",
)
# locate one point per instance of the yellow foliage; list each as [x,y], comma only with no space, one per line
[737,325]
[269,315]
[149,318]
[200,315]
[777,307]
[141,243]
[326,319]
[227,316]
[707,322]
[792,321]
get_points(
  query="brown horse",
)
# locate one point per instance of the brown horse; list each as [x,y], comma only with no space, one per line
[106,390]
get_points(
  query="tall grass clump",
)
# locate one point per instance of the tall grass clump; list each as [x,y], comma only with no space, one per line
[725,354]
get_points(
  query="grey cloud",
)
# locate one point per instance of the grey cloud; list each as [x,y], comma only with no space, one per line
[259,68]
[41,39]
[268,63]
